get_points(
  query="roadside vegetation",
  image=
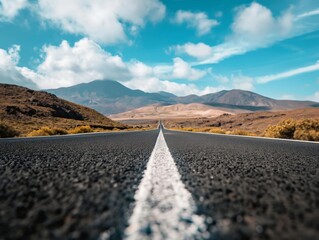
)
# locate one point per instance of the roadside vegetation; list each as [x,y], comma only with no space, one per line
[214,130]
[46,131]
[307,129]
[7,131]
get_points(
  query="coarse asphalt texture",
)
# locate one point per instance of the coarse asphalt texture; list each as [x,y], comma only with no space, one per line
[250,188]
[82,187]
[71,187]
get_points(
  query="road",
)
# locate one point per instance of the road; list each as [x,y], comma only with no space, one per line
[189,186]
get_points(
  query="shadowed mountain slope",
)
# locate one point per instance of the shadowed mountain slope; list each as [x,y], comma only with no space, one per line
[27,110]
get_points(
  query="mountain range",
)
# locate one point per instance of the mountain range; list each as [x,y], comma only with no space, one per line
[111,97]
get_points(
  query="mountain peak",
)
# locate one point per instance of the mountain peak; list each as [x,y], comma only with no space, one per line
[111,97]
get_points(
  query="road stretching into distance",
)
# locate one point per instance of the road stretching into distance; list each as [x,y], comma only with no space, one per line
[158,184]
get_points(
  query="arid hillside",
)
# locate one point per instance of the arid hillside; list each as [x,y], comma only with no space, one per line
[255,123]
[175,111]
[26,110]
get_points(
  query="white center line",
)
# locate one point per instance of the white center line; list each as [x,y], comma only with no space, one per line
[164,209]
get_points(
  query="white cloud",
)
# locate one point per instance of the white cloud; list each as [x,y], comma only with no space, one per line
[66,65]
[182,70]
[315,97]
[254,27]
[179,70]
[104,21]
[9,71]
[10,8]
[287,74]
[243,82]
[221,79]
[235,81]
[199,21]
[155,85]
[199,50]
[256,23]
[308,14]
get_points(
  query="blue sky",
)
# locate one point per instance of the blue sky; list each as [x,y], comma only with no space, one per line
[180,46]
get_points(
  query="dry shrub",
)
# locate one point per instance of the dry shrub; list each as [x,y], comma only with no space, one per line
[201,130]
[7,131]
[81,129]
[217,130]
[284,129]
[307,129]
[240,132]
[189,129]
[46,131]
[310,135]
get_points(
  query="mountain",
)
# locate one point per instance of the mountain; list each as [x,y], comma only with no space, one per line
[246,100]
[26,110]
[111,97]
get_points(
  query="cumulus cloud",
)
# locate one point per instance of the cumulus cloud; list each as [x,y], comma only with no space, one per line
[199,50]
[10,8]
[220,78]
[182,70]
[253,27]
[256,23]
[198,21]
[9,71]
[237,81]
[66,65]
[104,21]
[243,82]
[180,89]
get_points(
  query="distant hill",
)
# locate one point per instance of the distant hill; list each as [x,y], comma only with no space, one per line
[156,111]
[27,110]
[246,100]
[111,97]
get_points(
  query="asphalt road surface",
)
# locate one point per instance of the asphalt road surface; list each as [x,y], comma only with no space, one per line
[189,186]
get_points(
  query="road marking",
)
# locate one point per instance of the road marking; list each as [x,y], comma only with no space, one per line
[164,208]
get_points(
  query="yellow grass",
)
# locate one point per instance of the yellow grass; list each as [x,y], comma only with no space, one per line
[46,131]
[81,129]
[241,133]
[307,129]
[215,130]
